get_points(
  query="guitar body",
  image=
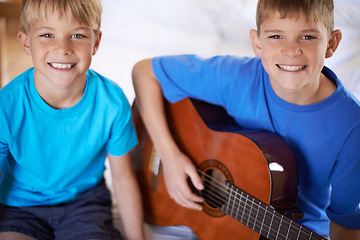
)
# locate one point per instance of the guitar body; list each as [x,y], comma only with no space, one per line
[259,163]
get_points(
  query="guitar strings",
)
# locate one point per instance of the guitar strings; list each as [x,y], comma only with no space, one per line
[264,215]
[281,219]
[208,193]
[293,232]
[221,198]
[288,232]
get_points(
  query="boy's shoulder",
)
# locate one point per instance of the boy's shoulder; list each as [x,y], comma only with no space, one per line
[217,59]
[100,79]
[107,90]
[16,87]
[177,67]
[341,90]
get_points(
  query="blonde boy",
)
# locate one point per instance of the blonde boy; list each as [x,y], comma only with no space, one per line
[58,122]
[285,89]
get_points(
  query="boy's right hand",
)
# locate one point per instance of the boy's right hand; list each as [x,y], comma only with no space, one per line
[176,172]
[177,166]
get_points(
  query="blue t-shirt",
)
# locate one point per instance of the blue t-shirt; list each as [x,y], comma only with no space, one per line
[324,136]
[49,156]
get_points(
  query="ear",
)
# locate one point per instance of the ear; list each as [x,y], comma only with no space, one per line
[255,41]
[333,43]
[97,42]
[24,42]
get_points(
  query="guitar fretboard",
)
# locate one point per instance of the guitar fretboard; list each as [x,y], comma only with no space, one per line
[263,218]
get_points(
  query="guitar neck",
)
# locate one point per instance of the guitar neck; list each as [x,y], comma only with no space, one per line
[263,218]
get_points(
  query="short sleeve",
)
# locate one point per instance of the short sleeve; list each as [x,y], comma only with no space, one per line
[191,76]
[123,135]
[216,80]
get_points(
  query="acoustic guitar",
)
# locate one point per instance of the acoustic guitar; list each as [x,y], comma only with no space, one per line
[250,177]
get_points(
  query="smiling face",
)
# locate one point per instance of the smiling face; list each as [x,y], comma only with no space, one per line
[293,51]
[61,49]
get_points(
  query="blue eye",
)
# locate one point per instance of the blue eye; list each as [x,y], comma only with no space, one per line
[78,36]
[308,37]
[47,35]
[275,37]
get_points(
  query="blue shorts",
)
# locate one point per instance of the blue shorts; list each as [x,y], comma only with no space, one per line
[87,217]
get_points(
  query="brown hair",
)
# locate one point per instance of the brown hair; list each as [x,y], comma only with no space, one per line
[314,10]
[87,12]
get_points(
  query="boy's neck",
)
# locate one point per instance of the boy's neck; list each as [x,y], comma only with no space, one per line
[316,94]
[61,98]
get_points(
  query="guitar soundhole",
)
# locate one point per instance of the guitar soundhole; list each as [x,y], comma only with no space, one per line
[215,188]
[214,175]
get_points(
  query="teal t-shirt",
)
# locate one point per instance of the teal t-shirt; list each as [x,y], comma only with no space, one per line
[49,156]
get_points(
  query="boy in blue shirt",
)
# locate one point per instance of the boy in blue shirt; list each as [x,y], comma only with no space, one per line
[287,90]
[58,122]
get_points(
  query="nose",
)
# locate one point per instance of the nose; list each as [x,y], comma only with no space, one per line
[291,49]
[63,46]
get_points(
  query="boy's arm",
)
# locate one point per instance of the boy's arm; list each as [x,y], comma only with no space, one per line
[177,166]
[338,232]
[127,196]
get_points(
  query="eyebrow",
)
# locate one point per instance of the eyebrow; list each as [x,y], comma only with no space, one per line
[43,28]
[309,30]
[50,28]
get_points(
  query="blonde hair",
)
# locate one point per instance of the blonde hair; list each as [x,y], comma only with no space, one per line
[87,12]
[314,10]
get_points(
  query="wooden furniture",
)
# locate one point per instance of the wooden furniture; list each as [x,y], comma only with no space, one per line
[8,9]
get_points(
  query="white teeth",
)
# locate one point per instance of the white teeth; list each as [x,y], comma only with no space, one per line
[61,66]
[291,68]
